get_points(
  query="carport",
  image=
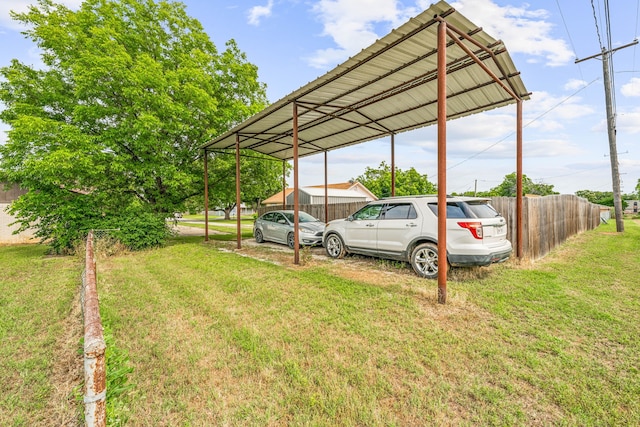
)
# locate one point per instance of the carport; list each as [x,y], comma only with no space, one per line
[436,67]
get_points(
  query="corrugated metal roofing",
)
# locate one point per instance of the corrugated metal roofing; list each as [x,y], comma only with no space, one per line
[389,87]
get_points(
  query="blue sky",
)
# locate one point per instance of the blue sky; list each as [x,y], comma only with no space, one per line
[565,139]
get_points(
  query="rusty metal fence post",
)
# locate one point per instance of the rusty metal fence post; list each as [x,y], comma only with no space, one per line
[95,369]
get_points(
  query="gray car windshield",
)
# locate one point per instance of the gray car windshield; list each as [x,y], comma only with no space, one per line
[302,217]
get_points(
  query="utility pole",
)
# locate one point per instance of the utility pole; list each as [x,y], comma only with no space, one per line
[611,130]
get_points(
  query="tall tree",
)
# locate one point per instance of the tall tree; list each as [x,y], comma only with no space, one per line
[109,128]
[408,182]
[260,177]
[508,188]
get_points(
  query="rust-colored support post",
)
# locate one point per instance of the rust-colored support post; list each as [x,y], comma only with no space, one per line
[326,190]
[95,368]
[296,201]
[393,165]
[206,195]
[238,198]
[519,190]
[442,162]
[284,184]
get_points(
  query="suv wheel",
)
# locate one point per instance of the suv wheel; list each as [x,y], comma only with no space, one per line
[334,246]
[424,260]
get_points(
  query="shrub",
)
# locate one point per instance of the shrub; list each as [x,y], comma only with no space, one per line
[140,230]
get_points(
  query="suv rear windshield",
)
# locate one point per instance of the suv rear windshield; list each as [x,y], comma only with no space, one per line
[474,209]
[454,210]
[483,209]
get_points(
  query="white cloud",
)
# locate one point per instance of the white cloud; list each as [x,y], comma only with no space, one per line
[523,30]
[20,6]
[15,6]
[549,113]
[352,26]
[632,88]
[628,122]
[575,84]
[256,13]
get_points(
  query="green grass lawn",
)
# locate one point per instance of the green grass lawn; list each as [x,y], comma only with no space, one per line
[40,328]
[223,337]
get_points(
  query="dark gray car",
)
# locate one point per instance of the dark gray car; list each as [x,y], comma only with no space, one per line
[277,226]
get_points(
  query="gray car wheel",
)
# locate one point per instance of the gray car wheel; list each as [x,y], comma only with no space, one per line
[259,236]
[291,241]
[424,260]
[334,246]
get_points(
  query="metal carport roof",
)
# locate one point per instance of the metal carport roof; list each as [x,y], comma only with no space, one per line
[387,88]
[436,67]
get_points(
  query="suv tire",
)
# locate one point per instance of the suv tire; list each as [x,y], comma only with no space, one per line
[334,246]
[424,260]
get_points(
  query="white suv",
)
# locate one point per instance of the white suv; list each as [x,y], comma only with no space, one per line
[406,229]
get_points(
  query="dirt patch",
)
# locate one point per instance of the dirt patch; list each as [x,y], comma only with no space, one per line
[183,230]
[374,271]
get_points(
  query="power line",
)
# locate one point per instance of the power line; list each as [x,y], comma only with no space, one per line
[524,126]
[595,18]
[575,52]
[607,68]
[607,15]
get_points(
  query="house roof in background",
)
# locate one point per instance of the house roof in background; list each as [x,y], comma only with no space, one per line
[340,185]
[387,88]
[333,192]
[276,199]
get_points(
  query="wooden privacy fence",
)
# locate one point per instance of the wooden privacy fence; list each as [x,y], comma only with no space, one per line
[335,210]
[546,221]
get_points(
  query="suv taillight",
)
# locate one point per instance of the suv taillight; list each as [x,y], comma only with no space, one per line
[474,227]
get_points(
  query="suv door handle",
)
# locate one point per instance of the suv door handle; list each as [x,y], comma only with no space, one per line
[370,225]
[411,224]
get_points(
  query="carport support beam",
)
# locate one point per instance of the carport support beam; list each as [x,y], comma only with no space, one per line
[296,201]
[393,165]
[284,184]
[326,190]
[519,191]
[442,162]
[206,195]
[238,202]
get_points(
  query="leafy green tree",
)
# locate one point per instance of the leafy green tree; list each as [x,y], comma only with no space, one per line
[604,198]
[598,197]
[508,187]
[110,127]
[260,177]
[408,182]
